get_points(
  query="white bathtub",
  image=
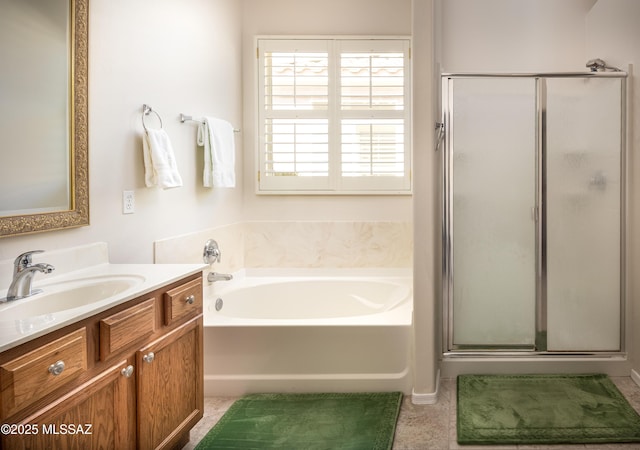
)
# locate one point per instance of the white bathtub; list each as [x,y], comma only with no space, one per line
[308,331]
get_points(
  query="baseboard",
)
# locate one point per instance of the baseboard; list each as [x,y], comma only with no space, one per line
[635,376]
[237,385]
[429,398]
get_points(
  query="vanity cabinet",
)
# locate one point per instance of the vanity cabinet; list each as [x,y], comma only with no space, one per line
[170,400]
[95,415]
[129,377]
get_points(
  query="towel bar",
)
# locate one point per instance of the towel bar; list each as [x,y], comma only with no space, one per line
[146,110]
[184,118]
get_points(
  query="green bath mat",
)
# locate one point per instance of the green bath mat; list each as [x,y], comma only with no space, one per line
[365,421]
[543,409]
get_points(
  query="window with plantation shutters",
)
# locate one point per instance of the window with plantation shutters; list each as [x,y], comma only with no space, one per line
[334,116]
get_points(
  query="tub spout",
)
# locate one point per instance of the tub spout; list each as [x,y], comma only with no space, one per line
[215,276]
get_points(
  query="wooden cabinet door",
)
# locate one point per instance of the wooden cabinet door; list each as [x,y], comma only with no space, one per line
[99,414]
[170,386]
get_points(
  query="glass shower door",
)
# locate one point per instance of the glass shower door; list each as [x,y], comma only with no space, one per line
[583,213]
[491,161]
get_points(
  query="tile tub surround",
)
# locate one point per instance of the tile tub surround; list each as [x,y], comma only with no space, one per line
[188,248]
[424,427]
[328,244]
[301,244]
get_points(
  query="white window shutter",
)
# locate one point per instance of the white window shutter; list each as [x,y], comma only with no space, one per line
[334,116]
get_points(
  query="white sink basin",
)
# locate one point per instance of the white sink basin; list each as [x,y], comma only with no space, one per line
[67,295]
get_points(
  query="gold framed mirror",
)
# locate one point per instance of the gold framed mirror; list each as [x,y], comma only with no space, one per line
[27,160]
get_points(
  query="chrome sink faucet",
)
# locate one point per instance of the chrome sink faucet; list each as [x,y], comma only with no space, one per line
[23,272]
[210,255]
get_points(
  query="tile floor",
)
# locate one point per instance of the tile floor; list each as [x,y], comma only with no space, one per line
[422,427]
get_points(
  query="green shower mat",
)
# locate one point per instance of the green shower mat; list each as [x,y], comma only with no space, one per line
[543,409]
[362,421]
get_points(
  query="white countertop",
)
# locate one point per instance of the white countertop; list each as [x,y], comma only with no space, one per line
[14,332]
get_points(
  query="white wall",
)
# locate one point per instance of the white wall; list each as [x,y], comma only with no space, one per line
[613,35]
[187,56]
[427,311]
[312,17]
[513,36]
[177,56]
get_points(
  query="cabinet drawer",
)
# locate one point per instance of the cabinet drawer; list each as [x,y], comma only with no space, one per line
[30,377]
[99,410]
[182,301]
[126,327]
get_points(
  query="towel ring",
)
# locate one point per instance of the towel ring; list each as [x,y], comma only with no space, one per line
[146,110]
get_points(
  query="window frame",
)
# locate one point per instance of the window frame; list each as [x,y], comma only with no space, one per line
[335,183]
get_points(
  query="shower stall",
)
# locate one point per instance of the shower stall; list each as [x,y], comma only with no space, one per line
[534,213]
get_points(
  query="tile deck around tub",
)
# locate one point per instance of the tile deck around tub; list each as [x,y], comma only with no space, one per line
[423,427]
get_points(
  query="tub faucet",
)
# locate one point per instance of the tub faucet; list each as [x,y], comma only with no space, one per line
[211,252]
[210,255]
[23,272]
[215,276]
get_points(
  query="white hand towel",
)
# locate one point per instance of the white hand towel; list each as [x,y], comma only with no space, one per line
[216,136]
[160,167]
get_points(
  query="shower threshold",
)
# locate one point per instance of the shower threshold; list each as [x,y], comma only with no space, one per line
[506,353]
[455,363]
[526,350]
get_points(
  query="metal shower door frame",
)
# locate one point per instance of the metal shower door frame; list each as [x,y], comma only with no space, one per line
[539,213]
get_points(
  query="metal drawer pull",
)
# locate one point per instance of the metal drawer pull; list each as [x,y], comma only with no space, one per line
[56,368]
[149,357]
[190,299]
[127,371]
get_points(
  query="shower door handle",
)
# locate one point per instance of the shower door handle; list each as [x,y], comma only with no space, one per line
[534,213]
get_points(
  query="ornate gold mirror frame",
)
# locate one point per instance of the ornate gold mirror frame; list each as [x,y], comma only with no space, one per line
[78,213]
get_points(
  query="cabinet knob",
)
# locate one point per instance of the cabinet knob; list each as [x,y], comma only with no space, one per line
[190,299]
[56,368]
[127,371]
[149,357]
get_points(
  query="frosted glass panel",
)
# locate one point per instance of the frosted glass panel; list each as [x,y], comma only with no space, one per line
[493,158]
[583,213]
